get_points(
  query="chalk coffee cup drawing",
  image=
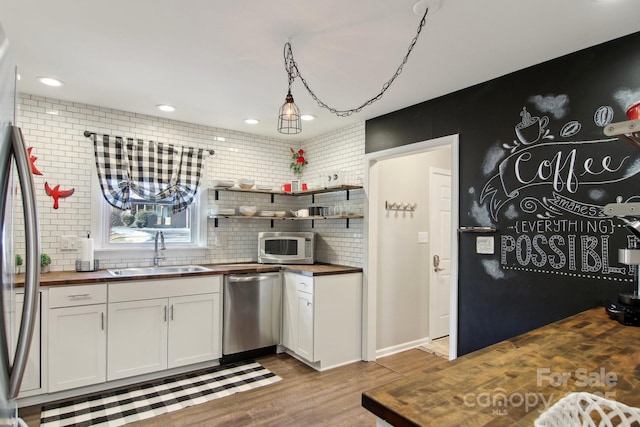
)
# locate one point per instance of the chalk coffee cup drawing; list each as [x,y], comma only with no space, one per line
[531,129]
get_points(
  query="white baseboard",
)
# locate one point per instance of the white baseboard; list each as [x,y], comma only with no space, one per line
[401,347]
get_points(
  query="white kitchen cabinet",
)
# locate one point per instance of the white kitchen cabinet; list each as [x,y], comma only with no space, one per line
[194,329]
[77,336]
[34,379]
[161,324]
[322,318]
[304,341]
[137,338]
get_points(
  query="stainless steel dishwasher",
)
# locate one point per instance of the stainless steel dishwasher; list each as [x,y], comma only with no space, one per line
[252,313]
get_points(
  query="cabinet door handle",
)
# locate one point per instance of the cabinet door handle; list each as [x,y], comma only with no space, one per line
[172,312]
[102,321]
[308,303]
[165,313]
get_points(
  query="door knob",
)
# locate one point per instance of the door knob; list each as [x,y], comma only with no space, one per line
[436,263]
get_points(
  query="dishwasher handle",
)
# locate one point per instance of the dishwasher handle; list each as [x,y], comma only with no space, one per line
[237,278]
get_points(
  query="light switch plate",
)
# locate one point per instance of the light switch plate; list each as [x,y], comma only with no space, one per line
[423,237]
[484,245]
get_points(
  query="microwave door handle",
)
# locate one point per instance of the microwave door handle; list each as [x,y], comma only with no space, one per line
[32,272]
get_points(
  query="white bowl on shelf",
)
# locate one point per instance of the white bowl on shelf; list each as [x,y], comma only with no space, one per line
[279,214]
[267,213]
[300,213]
[246,184]
[248,210]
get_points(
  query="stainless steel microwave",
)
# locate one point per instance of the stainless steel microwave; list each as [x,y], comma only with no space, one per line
[286,248]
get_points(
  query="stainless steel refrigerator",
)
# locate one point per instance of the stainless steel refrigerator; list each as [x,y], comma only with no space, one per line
[17,211]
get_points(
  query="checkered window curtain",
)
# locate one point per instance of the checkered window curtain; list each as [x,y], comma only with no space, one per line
[153,171]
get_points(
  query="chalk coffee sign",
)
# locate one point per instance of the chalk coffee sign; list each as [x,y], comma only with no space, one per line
[548,194]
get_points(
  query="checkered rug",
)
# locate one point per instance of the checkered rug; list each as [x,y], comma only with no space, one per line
[147,400]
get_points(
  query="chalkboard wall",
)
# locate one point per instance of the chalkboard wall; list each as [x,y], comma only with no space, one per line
[535,164]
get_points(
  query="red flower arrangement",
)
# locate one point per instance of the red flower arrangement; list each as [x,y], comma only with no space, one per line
[298,162]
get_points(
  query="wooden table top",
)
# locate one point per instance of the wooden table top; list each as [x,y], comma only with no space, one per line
[513,381]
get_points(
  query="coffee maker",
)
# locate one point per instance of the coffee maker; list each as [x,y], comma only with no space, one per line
[626,309]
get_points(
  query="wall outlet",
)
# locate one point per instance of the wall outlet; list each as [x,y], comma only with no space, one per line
[68,243]
[423,237]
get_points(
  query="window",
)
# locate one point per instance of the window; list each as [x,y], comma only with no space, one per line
[135,174]
[144,220]
[117,229]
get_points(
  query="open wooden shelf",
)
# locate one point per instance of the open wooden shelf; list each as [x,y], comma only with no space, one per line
[293,193]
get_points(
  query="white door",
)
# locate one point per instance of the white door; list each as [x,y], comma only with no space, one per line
[137,338]
[77,346]
[194,329]
[440,250]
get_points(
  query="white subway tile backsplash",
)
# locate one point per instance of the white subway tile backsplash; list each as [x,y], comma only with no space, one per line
[65,157]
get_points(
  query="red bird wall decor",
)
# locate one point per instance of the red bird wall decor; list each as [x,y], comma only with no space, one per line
[56,193]
[32,161]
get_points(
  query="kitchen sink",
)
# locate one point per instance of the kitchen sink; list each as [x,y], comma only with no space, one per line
[150,271]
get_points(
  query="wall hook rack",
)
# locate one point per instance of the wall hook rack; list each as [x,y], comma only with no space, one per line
[400,206]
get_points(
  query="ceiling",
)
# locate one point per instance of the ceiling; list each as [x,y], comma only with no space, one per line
[220,62]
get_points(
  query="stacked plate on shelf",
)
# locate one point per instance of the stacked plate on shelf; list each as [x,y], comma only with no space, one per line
[222,183]
[267,213]
[223,212]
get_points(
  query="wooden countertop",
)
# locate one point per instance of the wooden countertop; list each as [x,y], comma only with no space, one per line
[55,278]
[491,387]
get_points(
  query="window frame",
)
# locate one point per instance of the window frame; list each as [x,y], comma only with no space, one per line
[101,218]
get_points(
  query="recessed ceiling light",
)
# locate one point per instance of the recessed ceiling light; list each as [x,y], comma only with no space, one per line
[307,117]
[50,81]
[165,107]
[251,121]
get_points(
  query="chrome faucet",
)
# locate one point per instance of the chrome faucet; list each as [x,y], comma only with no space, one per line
[158,255]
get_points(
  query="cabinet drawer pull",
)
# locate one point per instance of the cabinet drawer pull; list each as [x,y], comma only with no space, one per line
[79,296]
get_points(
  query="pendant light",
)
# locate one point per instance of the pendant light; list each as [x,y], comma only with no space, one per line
[289,117]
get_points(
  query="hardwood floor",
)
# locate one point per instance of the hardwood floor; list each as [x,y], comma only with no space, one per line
[304,397]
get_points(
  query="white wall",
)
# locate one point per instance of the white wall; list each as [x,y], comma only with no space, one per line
[338,151]
[403,264]
[54,129]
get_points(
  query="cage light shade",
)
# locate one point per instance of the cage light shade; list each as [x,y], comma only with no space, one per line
[289,117]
